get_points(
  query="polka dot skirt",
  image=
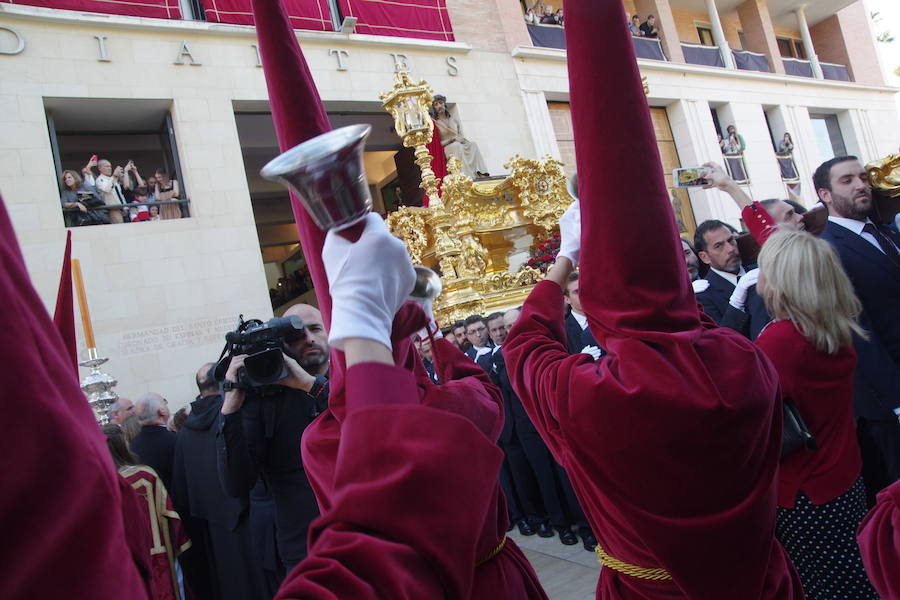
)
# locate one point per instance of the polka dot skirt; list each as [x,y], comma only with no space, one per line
[821,541]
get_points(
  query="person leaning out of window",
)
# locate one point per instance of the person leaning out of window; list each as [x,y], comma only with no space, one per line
[78,194]
[167,189]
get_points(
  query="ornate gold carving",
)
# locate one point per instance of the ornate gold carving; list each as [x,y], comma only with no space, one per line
[884,175]
[408,104]
[478,233]
[539,184]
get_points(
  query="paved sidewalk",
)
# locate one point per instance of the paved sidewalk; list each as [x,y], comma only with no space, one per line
[566,572]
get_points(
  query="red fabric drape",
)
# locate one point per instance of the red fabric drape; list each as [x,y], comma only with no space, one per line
[156,9]
[64,315]
[59,511]
[438,161]
[303,14]
[423,19]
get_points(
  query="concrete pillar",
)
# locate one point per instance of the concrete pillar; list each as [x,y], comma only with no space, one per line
[845,38]
[807,42]
[759,155]
[512,24]
[540,125]
[665,22]
[719,34]
[759,31]
[695,139]
[795,120]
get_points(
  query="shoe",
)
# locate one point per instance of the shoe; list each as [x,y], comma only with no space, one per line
[590,542]
[567,537]
[544,530]
[525,528]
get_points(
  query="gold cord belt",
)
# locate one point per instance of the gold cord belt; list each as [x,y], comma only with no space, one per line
[497,549]
[615,564]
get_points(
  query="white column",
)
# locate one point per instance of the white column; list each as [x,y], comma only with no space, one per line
[719,34]
[695,139]
[540,125]
[807,42]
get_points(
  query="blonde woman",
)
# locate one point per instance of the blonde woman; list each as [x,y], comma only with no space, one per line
[821,497]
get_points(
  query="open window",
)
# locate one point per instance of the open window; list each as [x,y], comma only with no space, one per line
[137,139]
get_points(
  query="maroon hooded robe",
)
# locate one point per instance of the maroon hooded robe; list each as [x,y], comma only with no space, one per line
[672,439]
[500,570]
[61,532]
[879,543]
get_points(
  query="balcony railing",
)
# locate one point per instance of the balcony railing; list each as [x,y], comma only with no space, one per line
[835,72]
[75,217]
[797,67]
[554,36]
[697,54]
[751,61]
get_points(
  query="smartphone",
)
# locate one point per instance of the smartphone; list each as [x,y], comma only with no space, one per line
[687,177]
[93,158]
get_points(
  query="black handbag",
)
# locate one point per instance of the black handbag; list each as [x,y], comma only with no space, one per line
[796,434]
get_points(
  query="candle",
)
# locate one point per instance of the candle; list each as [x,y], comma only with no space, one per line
[83,305]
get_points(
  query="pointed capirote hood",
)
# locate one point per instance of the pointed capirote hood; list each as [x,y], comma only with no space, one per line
[633,279]
[299,115]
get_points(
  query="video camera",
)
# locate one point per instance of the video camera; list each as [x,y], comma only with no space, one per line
[263,343]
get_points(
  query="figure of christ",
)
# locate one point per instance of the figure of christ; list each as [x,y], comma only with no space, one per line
[453,141]
[672,439]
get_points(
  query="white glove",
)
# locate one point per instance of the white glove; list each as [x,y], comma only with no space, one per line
[699,285]
[432,322]
[570,233]
[593,351]
[369,281]
[739,295]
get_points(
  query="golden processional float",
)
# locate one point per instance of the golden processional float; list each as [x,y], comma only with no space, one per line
[478,234]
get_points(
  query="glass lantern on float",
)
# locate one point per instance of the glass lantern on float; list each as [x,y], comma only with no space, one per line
[408,103]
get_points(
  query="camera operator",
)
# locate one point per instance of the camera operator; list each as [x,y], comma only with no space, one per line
[261,427]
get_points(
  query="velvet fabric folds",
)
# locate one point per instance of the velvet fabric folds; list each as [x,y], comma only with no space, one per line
[154,9]
[879,543]
[672,440]
[467,392]
[314,15]
[59,515]
[388,532]
[422,19]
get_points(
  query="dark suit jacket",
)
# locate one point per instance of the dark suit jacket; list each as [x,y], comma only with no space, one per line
[155,447]
[715,298]
[576,337]
[876,280]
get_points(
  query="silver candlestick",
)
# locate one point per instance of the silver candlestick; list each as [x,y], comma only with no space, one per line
[98,386]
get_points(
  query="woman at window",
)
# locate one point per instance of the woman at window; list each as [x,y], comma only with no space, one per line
[167,189]
[530,17]
[548,18]
[787,144]
[821,496]
[78,194]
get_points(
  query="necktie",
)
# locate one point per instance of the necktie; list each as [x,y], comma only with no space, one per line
[883,242]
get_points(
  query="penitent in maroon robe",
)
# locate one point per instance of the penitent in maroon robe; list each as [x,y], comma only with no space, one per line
[499,570]
[672,439]
[879,543]
[408,494]
[61,532]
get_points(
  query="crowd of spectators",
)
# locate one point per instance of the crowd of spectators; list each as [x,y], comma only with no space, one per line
[290,286]
[118,195]
[647,29]
[543,14]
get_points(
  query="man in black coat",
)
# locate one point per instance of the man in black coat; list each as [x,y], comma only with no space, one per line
[869,253]
[716,245]
[154,445]
[260,429]
[578,335]
[220,564]
[561,506]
